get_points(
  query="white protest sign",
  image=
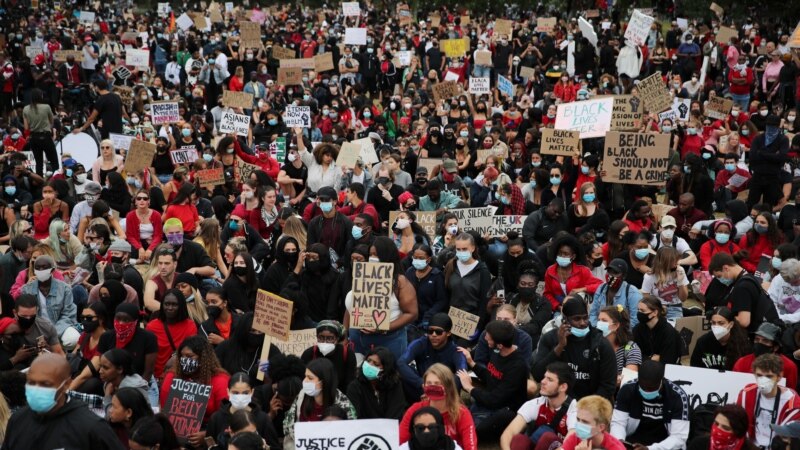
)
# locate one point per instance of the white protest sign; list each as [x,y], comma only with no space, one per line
[405,57]
[299,341]
[184,22]
[709,385]
[479,85]
[505,86]
[234,123]
[137,58]
[587,30]
[297,116]
[372,434]
[165,112]
[451,76]
[682,107]
[121,141]
[592,118]
[682,23]
[163,10]
[350,9]
[485,222]
[367,154]
[355,36]
[86,16]
[183,155]
[638,27]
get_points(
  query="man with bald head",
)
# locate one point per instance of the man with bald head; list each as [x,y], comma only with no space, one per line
[51,420]
[686,214]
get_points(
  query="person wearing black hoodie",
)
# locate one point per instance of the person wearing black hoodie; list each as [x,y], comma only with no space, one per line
[320,283]
[428,431]
[329,346]
[583,347]
[376,393]
[286,256]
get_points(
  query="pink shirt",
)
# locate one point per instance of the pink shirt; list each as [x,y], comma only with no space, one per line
[771,72]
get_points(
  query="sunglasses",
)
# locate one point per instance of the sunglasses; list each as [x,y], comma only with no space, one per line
[142,199]
[436,331]
[433,428]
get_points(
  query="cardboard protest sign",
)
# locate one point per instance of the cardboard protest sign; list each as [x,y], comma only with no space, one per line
[483,221]
[464,323]
[186,405]
[249,34]
[368,154]
[560,142]
[429,163]
[638,27]
[164,112]
[355,36]
[435,19]
[425,219]
[279,52]
[627,113]
[348,155]
[479,85]
[125,94]
[545,24]
[725,34]
[243,170]
[137,58]
[794,39]
[272,315]
[233,123]
[299,341]
[184,22]
[654,93]
[350,9]
[140,156]
[445,90]
[323,62]
[709,385]
[215,16]
[636,158]
[405,17]
[505,86]
[690,329]
[210,177]
[483,58]
[233,99]
[199,20]
[183,156]
[367,434]
[297,116]
[454,48]
[465,20]
[32,51]
[372,288]
[592,13]
[302,64]
[717,9]
[120,141]
[592,118]
[290,75]
[502,27]
[718,107]
[62,55]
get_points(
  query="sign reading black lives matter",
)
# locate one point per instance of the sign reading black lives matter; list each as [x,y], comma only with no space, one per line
[364,434]
[636,158]
[186,405]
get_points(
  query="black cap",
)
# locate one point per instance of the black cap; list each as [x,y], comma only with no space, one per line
[327,192]
[442,321]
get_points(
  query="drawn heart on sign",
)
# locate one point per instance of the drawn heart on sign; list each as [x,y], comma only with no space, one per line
[378,317]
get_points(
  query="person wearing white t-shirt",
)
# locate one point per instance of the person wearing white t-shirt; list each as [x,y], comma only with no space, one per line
[668,282]
[553,413]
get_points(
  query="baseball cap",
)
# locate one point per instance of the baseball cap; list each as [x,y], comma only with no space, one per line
[450,166]
[668,221]
[618,266]
[93,188]
[769,331]
[120,245]
[327,192]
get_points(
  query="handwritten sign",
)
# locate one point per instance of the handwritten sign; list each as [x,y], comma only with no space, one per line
[638,27]
[86,16]
[233,99]
[302,63]
[592,118]
[483,58]
[140,156]
[454,48]
[725,34]
[348,155]
[627,113]
[545,24]
[717,9]
[299,341]
[279,52]
[243,170]
[183,156]
[355,36]
[636,158]
[32,51]
[425,219]
[323,62]
[445,90]
[297,116]
[210,177]
[794,39]
[137,58]
[372,288]
[479,85]
[502,27]
[351,9]
[120,141]
[62,55]
[483,221]
[718,107]
[164,112]
[233,123]
[163,10]
[290,75]
[464,323]
[654,93]
[184,22]
[560,142]
[505,86]
[273,315]
[186,405]
[250,34]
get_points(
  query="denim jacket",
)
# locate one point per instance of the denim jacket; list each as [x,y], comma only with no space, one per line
[628,296]
[60,308]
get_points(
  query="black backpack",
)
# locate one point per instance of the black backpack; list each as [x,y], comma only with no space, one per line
[764,310]
[701,419]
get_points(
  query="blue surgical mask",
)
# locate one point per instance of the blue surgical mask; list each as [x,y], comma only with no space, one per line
[563,261]
[776,263]
[706,155]
[555,181]
[419,264]
[131,180]
[186,132]
[463,256]
[579,332]
[745,131]
[505,200]
[41,399]
[730,167]
[584,170]
[648,395]
[233,225]
[583,431]
[357,232]
[533,184]
[69,173]
[370,372]
[666,129]
[691,131]
[641,253]
[11,190]
[760,229]
[326,207]
[207,157]
[464,133]
[687,169]
[588,198]
[272,122]
[536,164]
[725,281]
[722,238]
[604,327]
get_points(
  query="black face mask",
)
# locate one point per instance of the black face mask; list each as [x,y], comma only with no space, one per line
[116,259]
[255,340]
[240,271]
[528,293]
[291,258]
[214,311]
[161,149]
[427,439]
[26,322]
[761,349]
[90,325]
[642,317]
[597,262]
[422,181]
[313,266]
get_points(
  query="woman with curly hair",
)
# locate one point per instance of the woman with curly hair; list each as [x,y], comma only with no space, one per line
[762,239]
[376,393]
[197,363]
[407,232]
[721,347]
[171,328]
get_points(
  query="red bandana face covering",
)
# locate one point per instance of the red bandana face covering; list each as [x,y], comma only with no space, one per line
[724,440]
[434,392]
[125,332]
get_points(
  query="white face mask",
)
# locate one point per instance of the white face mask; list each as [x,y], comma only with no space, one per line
[374,259]
[326,348]
[720,331]
[668,233]
[310,388]
[765,384]
[292,157]
[790,118]
[81,177]
[763,112]
[402,224]
[240,401]
[43,275]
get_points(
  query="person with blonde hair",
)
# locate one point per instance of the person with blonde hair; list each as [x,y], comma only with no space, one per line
[189,286]
[593,426]
[293,227]
[668,282]
[107,162]
[209,238]
[66,246]
[439,387]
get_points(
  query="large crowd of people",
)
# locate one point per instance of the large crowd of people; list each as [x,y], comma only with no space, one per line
[289,144]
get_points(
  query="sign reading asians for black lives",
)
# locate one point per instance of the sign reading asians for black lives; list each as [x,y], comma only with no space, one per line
[636,158]
[364,434]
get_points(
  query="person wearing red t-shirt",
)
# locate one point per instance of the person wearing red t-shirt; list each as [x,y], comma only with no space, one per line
[171,328]
[8,80]
[724,189]
[693,140]
[14,141]
[552,414]
[741,79]
[767,340]
[308,46]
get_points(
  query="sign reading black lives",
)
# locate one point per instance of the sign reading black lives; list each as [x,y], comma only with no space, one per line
[636,158]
